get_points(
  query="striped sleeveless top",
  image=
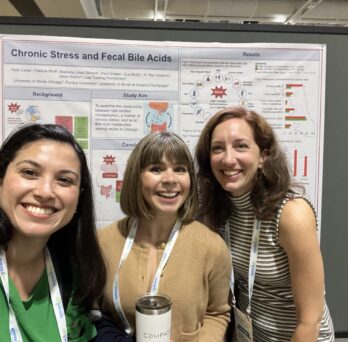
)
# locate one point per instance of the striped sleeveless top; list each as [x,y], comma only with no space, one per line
[272,308]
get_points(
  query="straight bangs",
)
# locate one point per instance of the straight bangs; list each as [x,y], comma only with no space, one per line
[168,146]
[150,151]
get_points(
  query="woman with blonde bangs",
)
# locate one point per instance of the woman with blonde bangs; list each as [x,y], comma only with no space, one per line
[159,198]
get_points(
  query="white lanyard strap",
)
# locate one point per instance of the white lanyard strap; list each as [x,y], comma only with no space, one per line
[228,243]
[56,299]
[165,257]
[254,250]
[13,326]
[155,284]
[116,292]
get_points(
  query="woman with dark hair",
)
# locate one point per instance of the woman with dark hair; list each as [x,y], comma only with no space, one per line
[245,193]
[159,198]
[51,269]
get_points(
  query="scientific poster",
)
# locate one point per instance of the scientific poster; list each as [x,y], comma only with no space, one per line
[110,93]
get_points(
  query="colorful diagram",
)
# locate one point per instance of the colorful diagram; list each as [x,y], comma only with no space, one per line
[32,114]
[159,117]
[297,118]
[300,166]
[108,182]
[214,91]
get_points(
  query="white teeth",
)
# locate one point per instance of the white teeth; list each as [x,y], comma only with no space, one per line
[230,173]
[167,194]
[39,211]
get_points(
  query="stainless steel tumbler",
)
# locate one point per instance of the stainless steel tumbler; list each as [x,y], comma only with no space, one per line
[153,318]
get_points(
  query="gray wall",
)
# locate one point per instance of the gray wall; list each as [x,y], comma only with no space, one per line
[334,229]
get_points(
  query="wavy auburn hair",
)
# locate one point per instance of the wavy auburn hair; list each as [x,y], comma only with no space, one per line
[271,184]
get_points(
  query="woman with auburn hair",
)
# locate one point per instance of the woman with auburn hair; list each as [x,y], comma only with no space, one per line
[170,253]
[245,193]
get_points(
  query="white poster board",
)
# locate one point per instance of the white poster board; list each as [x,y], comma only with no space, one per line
[110,93]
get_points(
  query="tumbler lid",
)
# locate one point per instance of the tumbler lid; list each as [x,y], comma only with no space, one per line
[156,304]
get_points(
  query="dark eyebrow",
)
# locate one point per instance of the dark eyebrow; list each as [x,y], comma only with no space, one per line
[37,165]
[28,161]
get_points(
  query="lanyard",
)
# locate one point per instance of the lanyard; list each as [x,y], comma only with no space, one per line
[254,249]
[56,298]
[155,284]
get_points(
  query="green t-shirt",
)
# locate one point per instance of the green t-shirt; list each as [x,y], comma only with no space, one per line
[36,319]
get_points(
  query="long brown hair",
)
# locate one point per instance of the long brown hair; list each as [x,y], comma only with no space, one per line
[75,245]
[270,185]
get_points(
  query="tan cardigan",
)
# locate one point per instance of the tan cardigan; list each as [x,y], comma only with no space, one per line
[196,278]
